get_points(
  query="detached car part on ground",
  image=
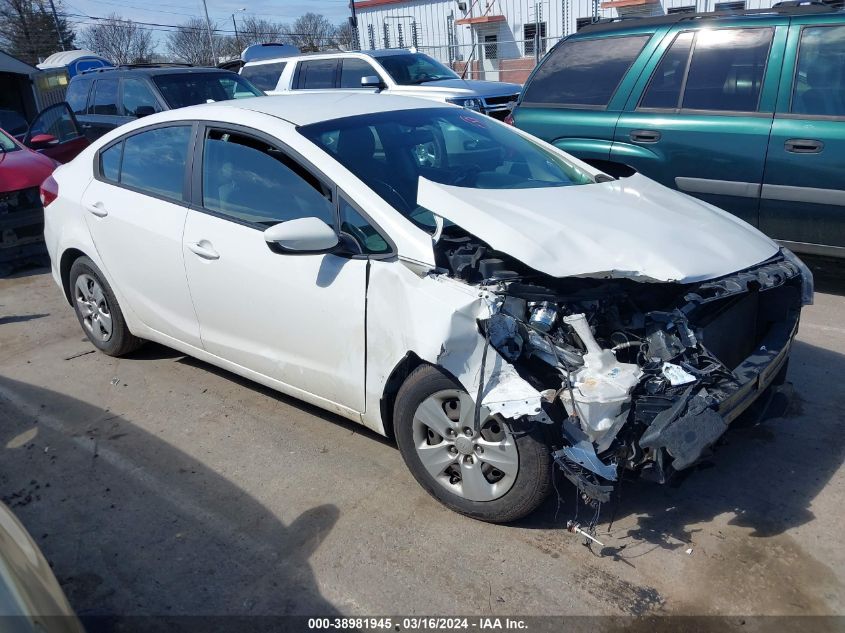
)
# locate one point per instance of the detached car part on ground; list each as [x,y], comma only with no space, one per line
[504,306]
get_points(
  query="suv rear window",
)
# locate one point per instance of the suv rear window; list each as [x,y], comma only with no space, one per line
[584,72]
[264,76]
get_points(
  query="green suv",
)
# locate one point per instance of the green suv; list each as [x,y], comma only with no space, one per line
[745,111]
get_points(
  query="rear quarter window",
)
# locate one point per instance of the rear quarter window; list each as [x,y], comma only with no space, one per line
[584,72]
[264,76]
[77,95]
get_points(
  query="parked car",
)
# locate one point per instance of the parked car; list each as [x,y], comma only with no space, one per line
[31,599]
[105,98]
[436,275]
[13,123]
[745,111]
[53,138]
[391,71]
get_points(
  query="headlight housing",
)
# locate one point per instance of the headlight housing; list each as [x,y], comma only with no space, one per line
[807,284]
[470,103]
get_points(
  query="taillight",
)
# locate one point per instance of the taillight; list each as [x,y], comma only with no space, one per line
[48,191]
[509,118]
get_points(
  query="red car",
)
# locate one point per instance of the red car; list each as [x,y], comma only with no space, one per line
[53,138]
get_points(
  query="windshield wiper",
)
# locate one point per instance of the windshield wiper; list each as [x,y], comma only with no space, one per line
[424,80]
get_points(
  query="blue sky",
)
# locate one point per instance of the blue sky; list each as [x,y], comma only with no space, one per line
[220,11]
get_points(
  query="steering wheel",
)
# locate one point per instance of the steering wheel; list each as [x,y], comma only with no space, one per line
[392,197]
[356,233]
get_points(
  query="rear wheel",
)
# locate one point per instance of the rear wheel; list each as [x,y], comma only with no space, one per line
[492,474]
[98,311]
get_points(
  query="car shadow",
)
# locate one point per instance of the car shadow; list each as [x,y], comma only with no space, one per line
[133,526]
[154,351]
[765,474]
[21,318]
[828,273]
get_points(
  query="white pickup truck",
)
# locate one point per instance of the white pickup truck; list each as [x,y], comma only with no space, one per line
[392,71]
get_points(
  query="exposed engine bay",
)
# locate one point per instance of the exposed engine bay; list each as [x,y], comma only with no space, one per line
[633,376]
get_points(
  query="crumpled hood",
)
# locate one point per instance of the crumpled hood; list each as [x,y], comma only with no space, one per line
[632,227]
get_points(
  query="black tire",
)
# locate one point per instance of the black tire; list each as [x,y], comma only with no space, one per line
[120,341]
[533,478]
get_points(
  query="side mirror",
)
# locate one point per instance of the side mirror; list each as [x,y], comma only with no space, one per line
[144,110]
[40,141]
[303,236]
[372,81]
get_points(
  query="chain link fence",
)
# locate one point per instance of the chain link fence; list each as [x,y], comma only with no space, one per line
[493,59]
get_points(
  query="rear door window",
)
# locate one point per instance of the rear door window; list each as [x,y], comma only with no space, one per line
[264,76]
[584,72]
[727,68]
[152,161]
[353,70]
[317,74]
[105,98]
[819,84]
[664,89]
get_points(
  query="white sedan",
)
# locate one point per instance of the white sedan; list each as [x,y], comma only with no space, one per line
[502,309]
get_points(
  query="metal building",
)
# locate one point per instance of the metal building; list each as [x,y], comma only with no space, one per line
[501,39]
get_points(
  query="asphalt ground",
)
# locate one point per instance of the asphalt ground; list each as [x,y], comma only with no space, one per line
[159,485]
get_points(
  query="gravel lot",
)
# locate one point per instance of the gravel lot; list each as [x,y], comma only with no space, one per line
[157,484]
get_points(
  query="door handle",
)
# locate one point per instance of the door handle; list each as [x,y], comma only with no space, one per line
[204,249]
[644,136]
[803,146]
[97,209]
[85,126]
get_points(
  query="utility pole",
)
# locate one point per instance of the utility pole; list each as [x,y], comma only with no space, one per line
[353,22]
[56,22]
[237,39]
[210,37]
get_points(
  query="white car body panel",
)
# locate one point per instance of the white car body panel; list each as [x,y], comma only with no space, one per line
[606,229]
[298,319]
[296,323]
[144,252]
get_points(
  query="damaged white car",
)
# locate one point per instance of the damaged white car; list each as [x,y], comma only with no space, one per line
[500,307]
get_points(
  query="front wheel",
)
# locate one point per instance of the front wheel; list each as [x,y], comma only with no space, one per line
[493,474]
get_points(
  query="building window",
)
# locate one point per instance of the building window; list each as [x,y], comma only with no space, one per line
[386,35]
[730,6]
[529,31]
[580,23]
[690,8]
[371,35]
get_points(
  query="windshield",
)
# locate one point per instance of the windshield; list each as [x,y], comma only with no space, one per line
[6,143]
[410,69]
[389,151]
[187,89]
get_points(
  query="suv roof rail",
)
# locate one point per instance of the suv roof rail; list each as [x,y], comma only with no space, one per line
[157,65]
[786,7]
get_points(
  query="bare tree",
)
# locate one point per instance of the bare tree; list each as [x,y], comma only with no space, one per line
[28,30]
[253,30]
[189,43]
[121,41]
[311,32]
[345,37]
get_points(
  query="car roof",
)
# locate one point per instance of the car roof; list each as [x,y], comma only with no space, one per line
[387,52]
[151,70]
[316,106]
[616,24]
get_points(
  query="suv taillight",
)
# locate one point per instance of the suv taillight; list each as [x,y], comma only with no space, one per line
[48,191]
[509,118]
